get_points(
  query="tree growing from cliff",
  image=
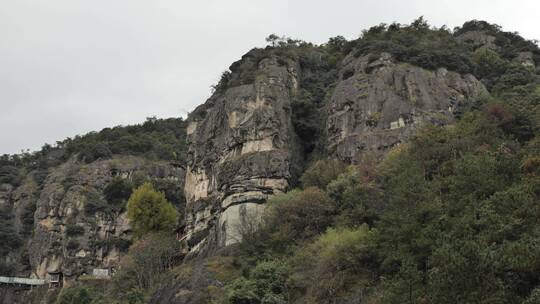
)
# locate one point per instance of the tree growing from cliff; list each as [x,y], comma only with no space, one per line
[150,211]
[272,39]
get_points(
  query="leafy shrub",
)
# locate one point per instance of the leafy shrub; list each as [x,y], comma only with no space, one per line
[321,173]
[270,277]
[117,191]
[242,291]
[299,215]
[27,217]
[336,261]
[73,230]
[72,245]
[94,202]
[406,284]
[467,267]
[68,182]
[348,74]
[94,152]
[418,45]
[267,284]
[9,238]
[534,297]
[357,200]
[515,75]
[502,116]
[306,121]
[488,64]
[173,192]
[40,176]
[10,175]
[509,43]
[144,266]
[75,295]
[113,199]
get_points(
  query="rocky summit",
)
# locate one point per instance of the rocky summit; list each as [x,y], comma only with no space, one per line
[398,167]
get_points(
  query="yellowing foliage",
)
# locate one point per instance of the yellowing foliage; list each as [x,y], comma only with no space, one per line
[150,211]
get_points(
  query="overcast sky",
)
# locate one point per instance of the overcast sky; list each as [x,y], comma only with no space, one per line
[68,67]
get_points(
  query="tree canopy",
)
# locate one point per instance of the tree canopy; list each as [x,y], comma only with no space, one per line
[149,211]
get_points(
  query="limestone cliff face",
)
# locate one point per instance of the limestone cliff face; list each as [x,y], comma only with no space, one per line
[242,143]
[241,147]
[66,235]
[379,104]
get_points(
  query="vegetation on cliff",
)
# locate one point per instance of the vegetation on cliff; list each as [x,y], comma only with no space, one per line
[94,186]
[159,139]
[451,216]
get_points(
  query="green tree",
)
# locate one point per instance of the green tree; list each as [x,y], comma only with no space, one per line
[118,191]
[267,284]
[150,211]
[272,39]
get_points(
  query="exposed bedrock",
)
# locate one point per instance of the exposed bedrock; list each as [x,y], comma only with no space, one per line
[241,147]
[379,104]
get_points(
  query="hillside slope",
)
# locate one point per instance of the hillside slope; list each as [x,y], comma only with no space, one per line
[399,167]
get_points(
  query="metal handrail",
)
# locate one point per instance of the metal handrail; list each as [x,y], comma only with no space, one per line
[22,281]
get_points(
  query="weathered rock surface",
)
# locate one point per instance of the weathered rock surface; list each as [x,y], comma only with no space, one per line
[65,237]
[380,104]
[526,59]
[478,39]
[241,146]
[242,143]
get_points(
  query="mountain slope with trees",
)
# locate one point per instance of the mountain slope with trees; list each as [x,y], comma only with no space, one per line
[361,205]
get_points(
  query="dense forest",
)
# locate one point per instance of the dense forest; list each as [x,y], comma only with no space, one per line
[452,216]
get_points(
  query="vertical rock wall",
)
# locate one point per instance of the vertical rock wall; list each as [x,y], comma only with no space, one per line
[242,144]
[241,147]
[379,104]
[63,236]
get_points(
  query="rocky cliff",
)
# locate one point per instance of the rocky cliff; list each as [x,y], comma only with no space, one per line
[248,141]
[62,210]
[243,144]
[76,221]
[379,103]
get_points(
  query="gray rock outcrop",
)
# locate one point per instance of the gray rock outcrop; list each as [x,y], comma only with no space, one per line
[381,104]
[241,147]
[65,236]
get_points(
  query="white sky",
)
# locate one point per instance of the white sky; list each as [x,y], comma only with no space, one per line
[68,67]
